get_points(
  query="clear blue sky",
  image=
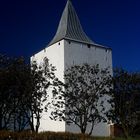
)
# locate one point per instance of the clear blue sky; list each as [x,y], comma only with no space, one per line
[26,26]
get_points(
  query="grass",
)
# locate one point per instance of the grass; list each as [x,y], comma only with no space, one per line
[53,136]
[136,138]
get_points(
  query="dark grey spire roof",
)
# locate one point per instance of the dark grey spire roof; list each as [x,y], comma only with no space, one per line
[70,27]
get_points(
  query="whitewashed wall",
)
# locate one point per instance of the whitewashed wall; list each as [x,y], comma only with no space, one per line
[55,54]
[64,54]
[79,53]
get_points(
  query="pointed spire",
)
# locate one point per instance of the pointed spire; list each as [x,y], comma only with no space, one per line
[70,27]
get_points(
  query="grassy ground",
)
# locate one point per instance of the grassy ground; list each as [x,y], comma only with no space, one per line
[137,138]
[4,135]
[108,138]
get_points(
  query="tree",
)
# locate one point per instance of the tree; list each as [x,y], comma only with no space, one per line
[41,78]
[7,87]
[83,98]
[14,76]
[23,90]
[125,108]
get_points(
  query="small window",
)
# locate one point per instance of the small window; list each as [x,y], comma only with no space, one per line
[73,62]
[69,42]
[46,60]
[88,45]
[106,50]
[59,43]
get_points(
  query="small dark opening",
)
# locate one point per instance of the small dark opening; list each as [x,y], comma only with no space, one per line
[69,42]
[59,43]
[88,45]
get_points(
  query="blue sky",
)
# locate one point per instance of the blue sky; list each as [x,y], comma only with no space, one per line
[27,26]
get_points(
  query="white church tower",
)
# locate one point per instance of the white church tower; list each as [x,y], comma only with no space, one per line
[69,46]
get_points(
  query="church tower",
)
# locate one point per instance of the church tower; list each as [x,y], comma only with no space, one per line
[71,46]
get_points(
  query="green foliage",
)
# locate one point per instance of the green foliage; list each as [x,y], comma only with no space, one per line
[23,90]
[82,100]
[13,73]
[125,101]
